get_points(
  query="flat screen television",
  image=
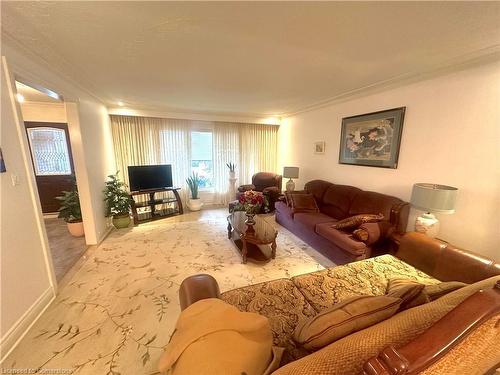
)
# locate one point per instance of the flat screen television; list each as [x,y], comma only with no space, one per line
[146,177]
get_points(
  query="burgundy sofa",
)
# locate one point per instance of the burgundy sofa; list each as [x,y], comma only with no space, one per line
[337,202]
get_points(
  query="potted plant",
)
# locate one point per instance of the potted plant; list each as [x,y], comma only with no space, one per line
[232,168]
[117,201]
[71,213]
[195,202]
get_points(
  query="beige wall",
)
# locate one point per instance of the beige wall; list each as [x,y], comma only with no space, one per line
[450,136]
[26,284]
[43,112]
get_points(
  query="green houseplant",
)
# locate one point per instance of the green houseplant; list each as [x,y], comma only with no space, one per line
[232,170]
[70,212]
[117,201]
[193,182]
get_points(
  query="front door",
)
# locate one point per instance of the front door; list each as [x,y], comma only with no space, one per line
[52,161]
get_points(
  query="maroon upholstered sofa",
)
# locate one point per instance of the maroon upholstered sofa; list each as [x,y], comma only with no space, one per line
[337,202]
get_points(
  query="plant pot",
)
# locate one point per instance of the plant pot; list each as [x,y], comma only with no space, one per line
[76,229]
[232,175]
[195,204]
[121,221]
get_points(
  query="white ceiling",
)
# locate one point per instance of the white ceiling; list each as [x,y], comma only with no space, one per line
[262,58]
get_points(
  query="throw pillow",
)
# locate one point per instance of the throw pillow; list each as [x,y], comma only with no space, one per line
[438,290]
[411,292]
[288,196]
[304,203]
[353,222]
[344,318]
[208,330]
[360,234]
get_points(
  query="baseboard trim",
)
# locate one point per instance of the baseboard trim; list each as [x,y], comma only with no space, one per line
[15,334]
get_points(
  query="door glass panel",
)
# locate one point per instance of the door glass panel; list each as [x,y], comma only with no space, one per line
[49,151]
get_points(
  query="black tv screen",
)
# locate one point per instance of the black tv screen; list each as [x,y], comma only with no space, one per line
[147,177]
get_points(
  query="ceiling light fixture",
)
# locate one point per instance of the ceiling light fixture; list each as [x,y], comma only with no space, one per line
[121,104]
[20,98]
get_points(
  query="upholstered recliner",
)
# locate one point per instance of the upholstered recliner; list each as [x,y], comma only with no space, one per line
[266,182]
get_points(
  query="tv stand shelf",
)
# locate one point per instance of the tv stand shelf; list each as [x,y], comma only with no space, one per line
[154,212]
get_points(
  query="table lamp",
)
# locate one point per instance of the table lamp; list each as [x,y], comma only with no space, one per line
[290,172]
[432,198]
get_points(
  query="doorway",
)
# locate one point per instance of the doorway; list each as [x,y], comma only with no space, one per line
[52,159]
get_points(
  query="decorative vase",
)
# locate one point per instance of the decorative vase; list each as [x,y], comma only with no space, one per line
[195,204]
[250,218]
[76,229]
[121,221]
[232,175]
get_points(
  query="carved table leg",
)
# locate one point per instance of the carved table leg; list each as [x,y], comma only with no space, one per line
[273,248]
[229,229]
[244,250]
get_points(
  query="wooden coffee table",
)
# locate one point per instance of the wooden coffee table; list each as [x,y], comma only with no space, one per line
[257,242]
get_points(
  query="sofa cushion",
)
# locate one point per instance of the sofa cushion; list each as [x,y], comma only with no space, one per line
[344,318]
[373,203]
[366,277]
[337,200]
[411,292]
[309,220]
[347,355]
[288,196]
[317,188]
[281,302]
[303,203]
[438,290]
[341,239]
[355,221]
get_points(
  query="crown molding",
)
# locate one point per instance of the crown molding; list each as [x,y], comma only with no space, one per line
[476,58]
[252,118]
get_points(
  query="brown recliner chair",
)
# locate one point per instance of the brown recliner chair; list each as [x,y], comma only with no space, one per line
[267,183]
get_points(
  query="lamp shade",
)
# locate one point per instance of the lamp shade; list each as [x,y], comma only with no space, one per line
[291,172]
[434,198]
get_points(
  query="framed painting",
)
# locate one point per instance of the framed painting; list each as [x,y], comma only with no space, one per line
[372,139]
[319,147]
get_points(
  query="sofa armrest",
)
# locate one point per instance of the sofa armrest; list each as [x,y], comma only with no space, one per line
[197,287]
[444,261]
[399,216]
[440,338]
[377,231]
[247,187]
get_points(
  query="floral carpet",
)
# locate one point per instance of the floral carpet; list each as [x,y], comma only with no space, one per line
[116,313]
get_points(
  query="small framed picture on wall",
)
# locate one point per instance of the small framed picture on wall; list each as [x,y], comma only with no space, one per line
[319,147]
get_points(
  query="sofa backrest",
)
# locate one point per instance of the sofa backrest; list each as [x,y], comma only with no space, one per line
[341,201]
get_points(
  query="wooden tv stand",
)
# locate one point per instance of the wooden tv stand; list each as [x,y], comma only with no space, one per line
[155,213]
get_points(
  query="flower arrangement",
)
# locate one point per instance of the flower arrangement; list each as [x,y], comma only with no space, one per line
[252,201]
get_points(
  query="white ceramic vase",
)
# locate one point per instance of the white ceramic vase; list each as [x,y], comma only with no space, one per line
[195,204]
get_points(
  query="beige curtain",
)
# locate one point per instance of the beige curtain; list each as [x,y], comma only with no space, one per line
[146,140]
[258,150]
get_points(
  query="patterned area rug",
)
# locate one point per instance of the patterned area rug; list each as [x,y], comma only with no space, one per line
[116,313]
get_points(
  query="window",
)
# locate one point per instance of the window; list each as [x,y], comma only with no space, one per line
[49,151]
[201,158]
